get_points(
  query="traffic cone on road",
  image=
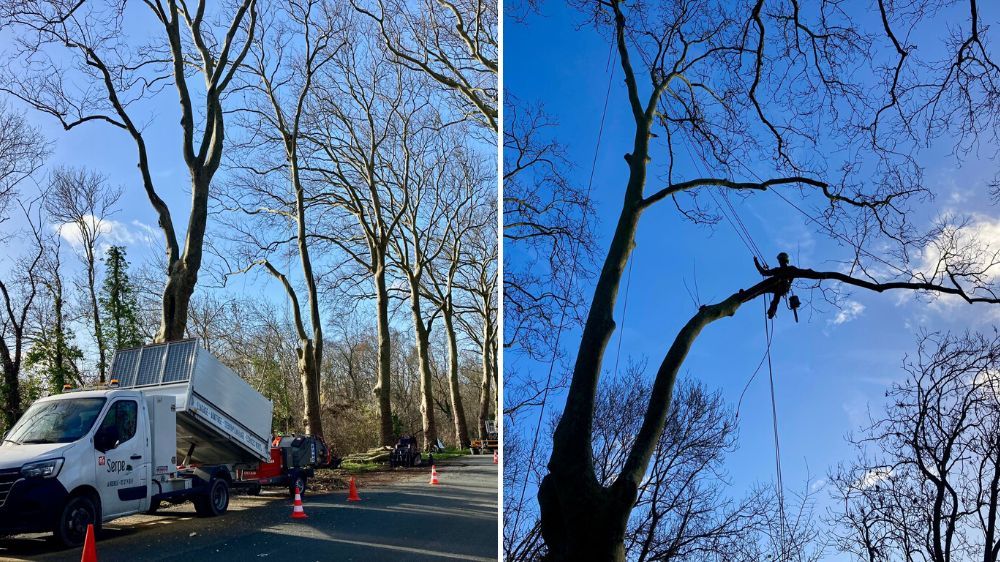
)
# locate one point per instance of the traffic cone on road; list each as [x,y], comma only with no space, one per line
[434,476]
[89,548]
[297,511]
[352,495]
[496,457]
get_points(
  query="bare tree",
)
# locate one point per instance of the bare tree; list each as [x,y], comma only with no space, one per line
[434,191]
[479,279]
[120,76]
[80,201]
[355,360]
[466,220]
[53,352]
[364,109]
[454,42]
[22,153]
[720,84]
[19,291]
[548,224]
[282,79]
[926,482]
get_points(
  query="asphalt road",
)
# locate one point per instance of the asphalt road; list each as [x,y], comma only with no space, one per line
[406,520]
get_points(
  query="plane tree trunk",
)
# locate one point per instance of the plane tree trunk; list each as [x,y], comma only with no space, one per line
[457,409]
[422,330]
[383,383]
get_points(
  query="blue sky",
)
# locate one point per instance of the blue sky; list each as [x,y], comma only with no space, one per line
[829,369]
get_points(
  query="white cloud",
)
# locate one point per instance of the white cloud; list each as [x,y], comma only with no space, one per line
[112,232]
[850,311]
[989,379]
[873,477]
[974,246]
[817,485]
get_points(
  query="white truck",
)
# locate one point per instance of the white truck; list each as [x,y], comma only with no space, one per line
[91,456]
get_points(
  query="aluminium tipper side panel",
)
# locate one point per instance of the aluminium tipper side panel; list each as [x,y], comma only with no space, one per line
[225,419]
[216,437]
[231,404]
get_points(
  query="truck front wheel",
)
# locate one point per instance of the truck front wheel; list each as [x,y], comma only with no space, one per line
[216,501]
[78,512]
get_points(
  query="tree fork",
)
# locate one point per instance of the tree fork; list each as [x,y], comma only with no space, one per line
[568,496]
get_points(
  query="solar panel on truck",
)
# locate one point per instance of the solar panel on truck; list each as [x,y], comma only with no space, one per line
[150,365]
[180,357]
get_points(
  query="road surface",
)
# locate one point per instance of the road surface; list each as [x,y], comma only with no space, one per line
[405,520]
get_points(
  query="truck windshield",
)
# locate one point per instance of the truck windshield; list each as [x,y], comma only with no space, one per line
[56,421]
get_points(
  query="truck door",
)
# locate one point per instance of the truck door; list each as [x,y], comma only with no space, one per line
[120,441]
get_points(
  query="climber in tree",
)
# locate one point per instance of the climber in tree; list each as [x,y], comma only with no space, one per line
[782,289]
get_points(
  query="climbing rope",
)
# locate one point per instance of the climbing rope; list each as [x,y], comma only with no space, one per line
[779,483]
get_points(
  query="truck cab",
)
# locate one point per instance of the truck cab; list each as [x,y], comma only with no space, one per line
[74,459]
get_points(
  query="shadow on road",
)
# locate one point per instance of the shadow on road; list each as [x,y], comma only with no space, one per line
[408,520]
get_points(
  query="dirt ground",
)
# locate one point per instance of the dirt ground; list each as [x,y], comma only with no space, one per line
[330,480]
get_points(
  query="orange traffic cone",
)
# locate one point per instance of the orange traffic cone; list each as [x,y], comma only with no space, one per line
[496,457]
[297,511]
[89,548]
[352,495]
[434,476]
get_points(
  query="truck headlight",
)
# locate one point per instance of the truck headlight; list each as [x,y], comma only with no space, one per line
[42,469]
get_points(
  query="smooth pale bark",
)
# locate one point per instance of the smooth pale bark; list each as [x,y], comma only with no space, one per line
[457,409]
[443,296]
[311,420]
[287,123]
[308,354]
[494,373]
[422,332]
[383,383]
[484,384]
[309,370]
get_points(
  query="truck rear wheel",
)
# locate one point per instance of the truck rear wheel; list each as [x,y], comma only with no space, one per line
[216,501]
[71,529]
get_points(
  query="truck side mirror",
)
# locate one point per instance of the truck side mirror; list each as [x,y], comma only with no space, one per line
[105,439]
